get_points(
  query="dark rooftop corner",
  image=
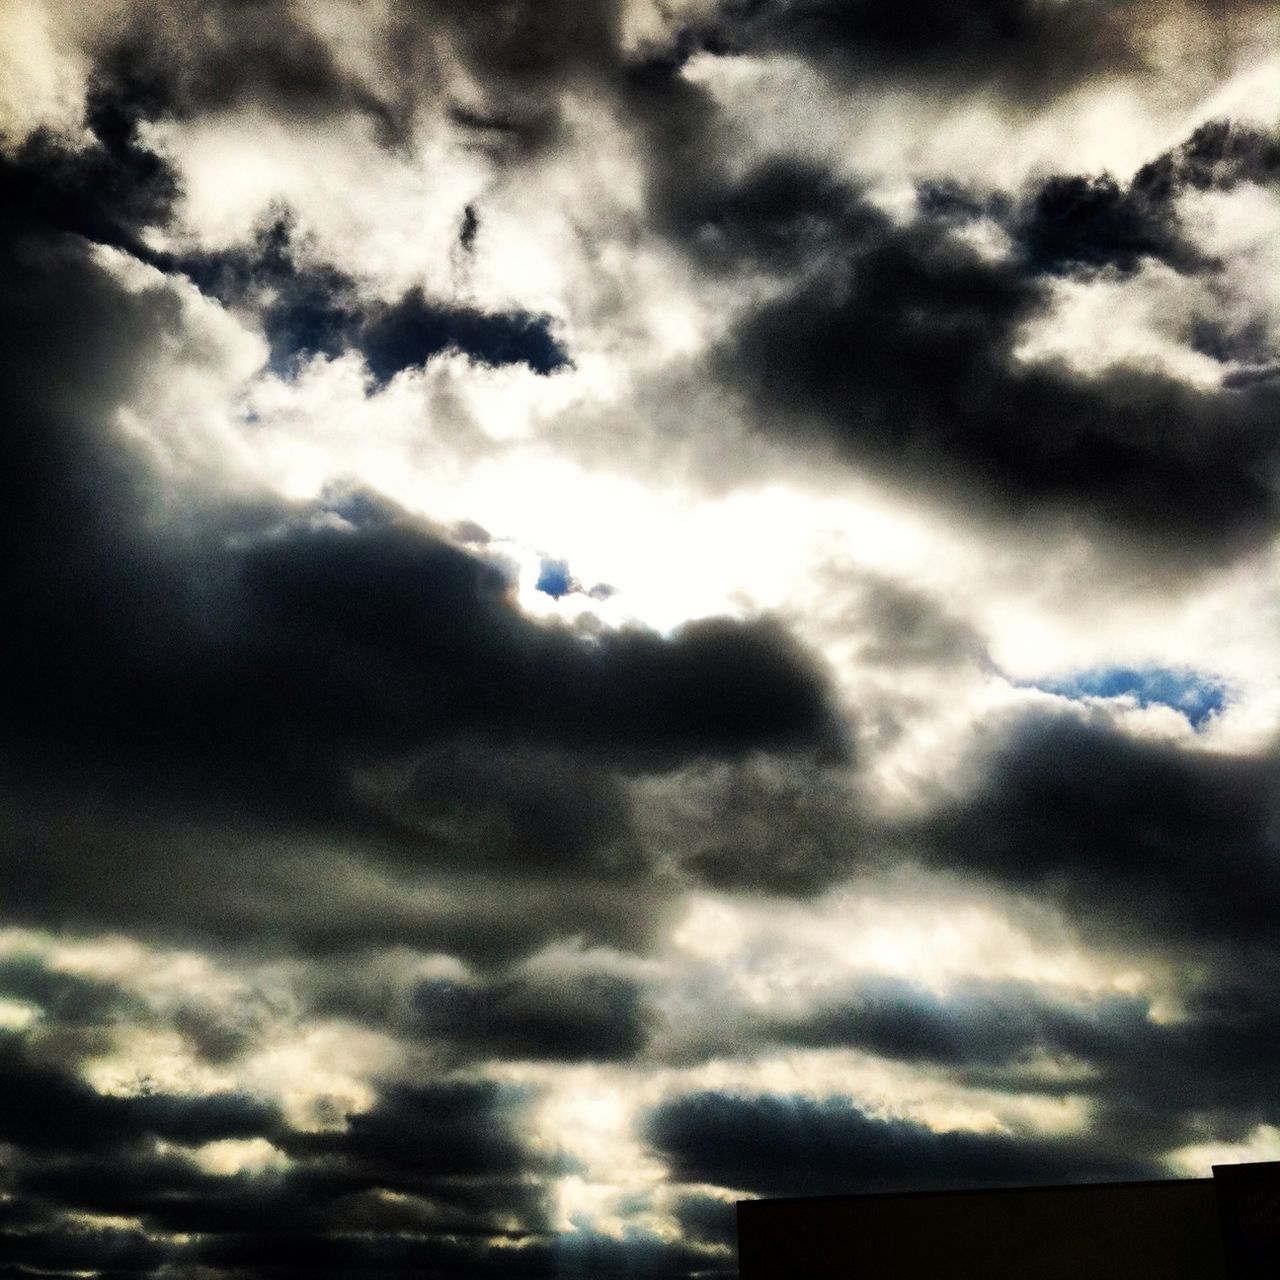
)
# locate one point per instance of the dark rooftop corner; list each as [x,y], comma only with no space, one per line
[1222,1228]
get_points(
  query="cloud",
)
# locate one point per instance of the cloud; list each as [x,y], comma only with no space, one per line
[45,1109]
[414,1133]
[1088,223]
[1132,836]
[312,308]
[67,1251]
[907,628]
[557,1006]
[1082,223]
[778,1145]
[411,331]
[1022,50]
[433,1174]
[424,1166]
[334,1257]
[247,665]
[113,189]
[382,899]
[896,350]
[499,77]
[1218,156]
[110,188]
[785,827]
[590,1016]
[1154,1080]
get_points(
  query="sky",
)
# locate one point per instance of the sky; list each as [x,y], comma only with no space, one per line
[621,605]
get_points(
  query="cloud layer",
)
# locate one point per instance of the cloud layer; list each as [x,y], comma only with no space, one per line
[605,618]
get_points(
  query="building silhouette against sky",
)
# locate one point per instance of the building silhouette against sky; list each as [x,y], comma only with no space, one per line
[1222,1228]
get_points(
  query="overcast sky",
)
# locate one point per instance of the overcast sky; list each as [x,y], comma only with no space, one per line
[616,605]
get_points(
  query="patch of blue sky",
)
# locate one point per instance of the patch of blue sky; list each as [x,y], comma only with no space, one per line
[554,579]
[1196,695]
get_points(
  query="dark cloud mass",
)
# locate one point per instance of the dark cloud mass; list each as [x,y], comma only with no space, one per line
[1023,50]
[897,350]
[778,1145]
[113,189]
[594,1017]
[1156,1081]
[1143,834]
[45,1109]
[1086,223]
[393,1184]
[108,190]
[412,331]
[243,669]
[312,308]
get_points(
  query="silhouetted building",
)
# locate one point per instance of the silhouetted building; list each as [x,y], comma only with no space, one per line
[1222,1228]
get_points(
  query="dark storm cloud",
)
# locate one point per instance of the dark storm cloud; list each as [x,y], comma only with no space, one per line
[481,804]
[71,1250]
[113,188]
[327,646]
[982,1024]
[44,1108]
[431,1176]
[228,679]
[67,998]
[382,637]
[1088,223]
[559,1017]
[459,1179]
[413,330]
[1023,50]
[523,54]
[776,1145]
[469,229]
[558,1006]
[305,309]
[417,1134]
[337,1258]
[895,350]
[786,217]
[450,1151]
[1133,836]
[707,1219]
[108,190]
[1218,156]
[1161,1084]
[171,1193]
[497,71]
[312,308]
[1079,223]
[80,1015]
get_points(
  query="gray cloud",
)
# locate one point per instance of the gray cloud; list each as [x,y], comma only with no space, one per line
[1159,1084]
[895,352]
[1025,52]
[1133,837]
[47,1109]
[776,1145]
[224,684]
